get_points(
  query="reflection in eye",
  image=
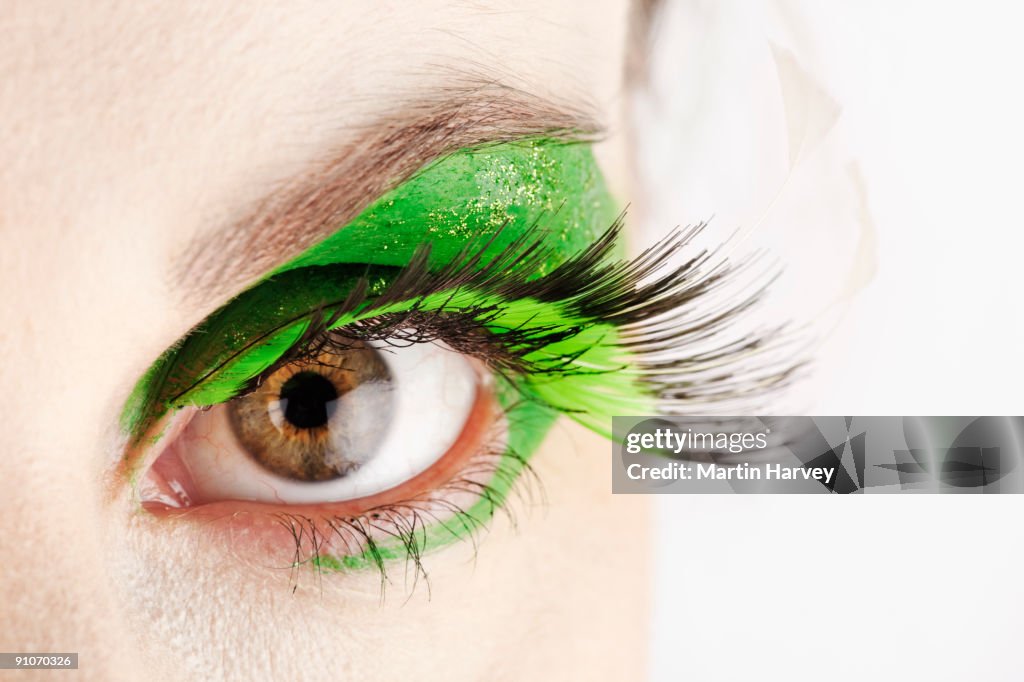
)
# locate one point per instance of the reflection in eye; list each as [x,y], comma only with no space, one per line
[354,421]
[318,420]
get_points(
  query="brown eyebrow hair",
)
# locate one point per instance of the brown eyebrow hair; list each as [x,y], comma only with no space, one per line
[311,206]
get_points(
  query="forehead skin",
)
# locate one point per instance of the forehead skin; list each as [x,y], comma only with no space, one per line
[128,131]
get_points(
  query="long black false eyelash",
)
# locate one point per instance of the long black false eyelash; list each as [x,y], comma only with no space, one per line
[469,331]
[461,328]
[652,304]
[405,524]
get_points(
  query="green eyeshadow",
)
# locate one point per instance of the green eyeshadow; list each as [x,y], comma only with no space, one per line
[491,195]
[473,195]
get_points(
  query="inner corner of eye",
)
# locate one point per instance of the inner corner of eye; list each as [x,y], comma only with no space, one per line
[350,429]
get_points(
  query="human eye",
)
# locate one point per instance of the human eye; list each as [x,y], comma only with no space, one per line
[382,394]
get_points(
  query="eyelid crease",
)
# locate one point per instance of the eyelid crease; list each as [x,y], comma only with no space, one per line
[487,192]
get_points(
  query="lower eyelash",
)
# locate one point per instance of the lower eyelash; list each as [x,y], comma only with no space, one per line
[404,532]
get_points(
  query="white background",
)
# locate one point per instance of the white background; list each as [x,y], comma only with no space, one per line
[866,587]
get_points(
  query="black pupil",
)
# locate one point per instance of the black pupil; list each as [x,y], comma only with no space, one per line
[307,398]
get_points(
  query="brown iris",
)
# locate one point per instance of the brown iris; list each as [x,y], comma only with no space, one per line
[320,418]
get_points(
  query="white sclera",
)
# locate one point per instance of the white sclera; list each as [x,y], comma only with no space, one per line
[434,390]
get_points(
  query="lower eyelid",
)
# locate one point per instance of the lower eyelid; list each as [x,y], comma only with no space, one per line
[343,531]
[339,534]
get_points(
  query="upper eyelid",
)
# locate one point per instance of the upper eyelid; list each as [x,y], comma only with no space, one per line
[307,208]
[565,172]
[614,312]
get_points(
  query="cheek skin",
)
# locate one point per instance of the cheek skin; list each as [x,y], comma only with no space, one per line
[567,584]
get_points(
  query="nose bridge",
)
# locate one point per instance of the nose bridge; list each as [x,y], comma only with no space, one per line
[56,534]
[73,314]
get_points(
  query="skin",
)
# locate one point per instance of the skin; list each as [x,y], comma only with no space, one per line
[129,132]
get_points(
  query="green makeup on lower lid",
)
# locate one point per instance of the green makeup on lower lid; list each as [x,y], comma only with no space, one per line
[532,423]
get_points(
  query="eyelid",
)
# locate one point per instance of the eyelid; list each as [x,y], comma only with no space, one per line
[497,191]
[578,325]
[494,191]
[442,505]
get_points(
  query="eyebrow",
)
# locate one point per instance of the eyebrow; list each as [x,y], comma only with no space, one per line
[309,207]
